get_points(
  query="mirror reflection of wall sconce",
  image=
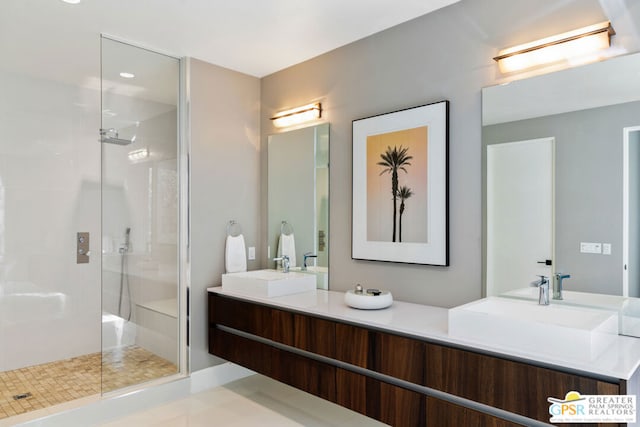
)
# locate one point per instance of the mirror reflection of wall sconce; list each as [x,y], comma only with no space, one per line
[567,46]
[297,115]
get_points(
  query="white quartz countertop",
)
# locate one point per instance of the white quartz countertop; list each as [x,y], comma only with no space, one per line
[431,323]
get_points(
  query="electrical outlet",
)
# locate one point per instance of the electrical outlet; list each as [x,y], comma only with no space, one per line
[252,253]
[590,248]
[606,249]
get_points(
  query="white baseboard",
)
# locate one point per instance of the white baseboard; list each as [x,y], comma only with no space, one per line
[216,376]
[101,410]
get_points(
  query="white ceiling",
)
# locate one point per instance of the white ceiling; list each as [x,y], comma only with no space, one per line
[256,37]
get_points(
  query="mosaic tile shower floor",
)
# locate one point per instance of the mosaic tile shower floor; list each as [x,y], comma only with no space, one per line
[65,380]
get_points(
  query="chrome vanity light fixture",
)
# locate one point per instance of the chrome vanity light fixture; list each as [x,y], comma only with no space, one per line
[298,115]
[555,49]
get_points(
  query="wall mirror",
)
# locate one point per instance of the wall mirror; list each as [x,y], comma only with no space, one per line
[298,200]
[561,157]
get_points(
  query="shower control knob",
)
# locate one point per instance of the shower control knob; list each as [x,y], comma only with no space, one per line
[82,247]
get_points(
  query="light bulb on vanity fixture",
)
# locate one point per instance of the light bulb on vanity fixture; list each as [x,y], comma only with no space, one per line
[574,45]
[298,115]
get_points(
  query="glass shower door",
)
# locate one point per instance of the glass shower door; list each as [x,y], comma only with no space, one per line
[140,274]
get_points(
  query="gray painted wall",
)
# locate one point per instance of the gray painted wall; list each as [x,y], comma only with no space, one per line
[588,185]
[225,165]
[443,55]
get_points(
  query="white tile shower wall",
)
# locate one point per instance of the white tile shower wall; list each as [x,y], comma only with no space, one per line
[49,190]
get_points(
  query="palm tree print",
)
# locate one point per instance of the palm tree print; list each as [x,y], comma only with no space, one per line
[393,160]
[404,193]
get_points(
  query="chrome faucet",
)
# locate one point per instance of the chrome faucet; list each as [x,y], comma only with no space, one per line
[304,261]
[285,263]
[557,284]
[543,285]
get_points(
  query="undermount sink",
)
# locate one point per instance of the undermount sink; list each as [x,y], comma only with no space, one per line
[268,283]
[555,330]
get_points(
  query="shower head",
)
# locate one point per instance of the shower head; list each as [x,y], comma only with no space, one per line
[107,139]
[117,141]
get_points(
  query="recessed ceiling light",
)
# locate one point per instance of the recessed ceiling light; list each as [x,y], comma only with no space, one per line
[72,1]
[126,75]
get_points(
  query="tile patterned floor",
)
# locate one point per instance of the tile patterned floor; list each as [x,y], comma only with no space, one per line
[132,365]
[65,380]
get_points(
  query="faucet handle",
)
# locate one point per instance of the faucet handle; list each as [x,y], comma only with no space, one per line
[543,285]
[304,261]
[544,280]
[285,262]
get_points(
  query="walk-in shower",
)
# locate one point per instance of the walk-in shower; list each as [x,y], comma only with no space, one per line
[89,226]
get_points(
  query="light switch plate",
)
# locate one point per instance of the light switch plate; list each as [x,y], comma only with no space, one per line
[252,253]
[590,248]
[606,249]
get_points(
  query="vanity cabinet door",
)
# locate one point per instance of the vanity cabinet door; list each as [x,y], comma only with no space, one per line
[441,414]
[305,374]
[266,322]
[513,386]
[351,390]
[244,316]
[388,354]
[399,407]
[399,357]
[314,335]
[242,351]
[387,403]
[353,345]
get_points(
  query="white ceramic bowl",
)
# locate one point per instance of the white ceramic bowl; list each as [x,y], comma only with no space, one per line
[366,301]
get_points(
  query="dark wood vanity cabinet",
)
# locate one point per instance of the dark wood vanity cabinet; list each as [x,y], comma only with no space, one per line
[376,399]
[375,372]
[388,354]
[443,414]
[516,387]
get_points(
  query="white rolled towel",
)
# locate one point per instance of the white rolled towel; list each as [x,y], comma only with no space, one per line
[287,246]
[235,255]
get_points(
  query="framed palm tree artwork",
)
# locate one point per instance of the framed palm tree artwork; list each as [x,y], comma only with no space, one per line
[400,186]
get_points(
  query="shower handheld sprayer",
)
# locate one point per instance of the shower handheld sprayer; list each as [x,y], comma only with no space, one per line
[124,273]
[127,245]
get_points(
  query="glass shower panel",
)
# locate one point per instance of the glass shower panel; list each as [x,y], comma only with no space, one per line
[139,139]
